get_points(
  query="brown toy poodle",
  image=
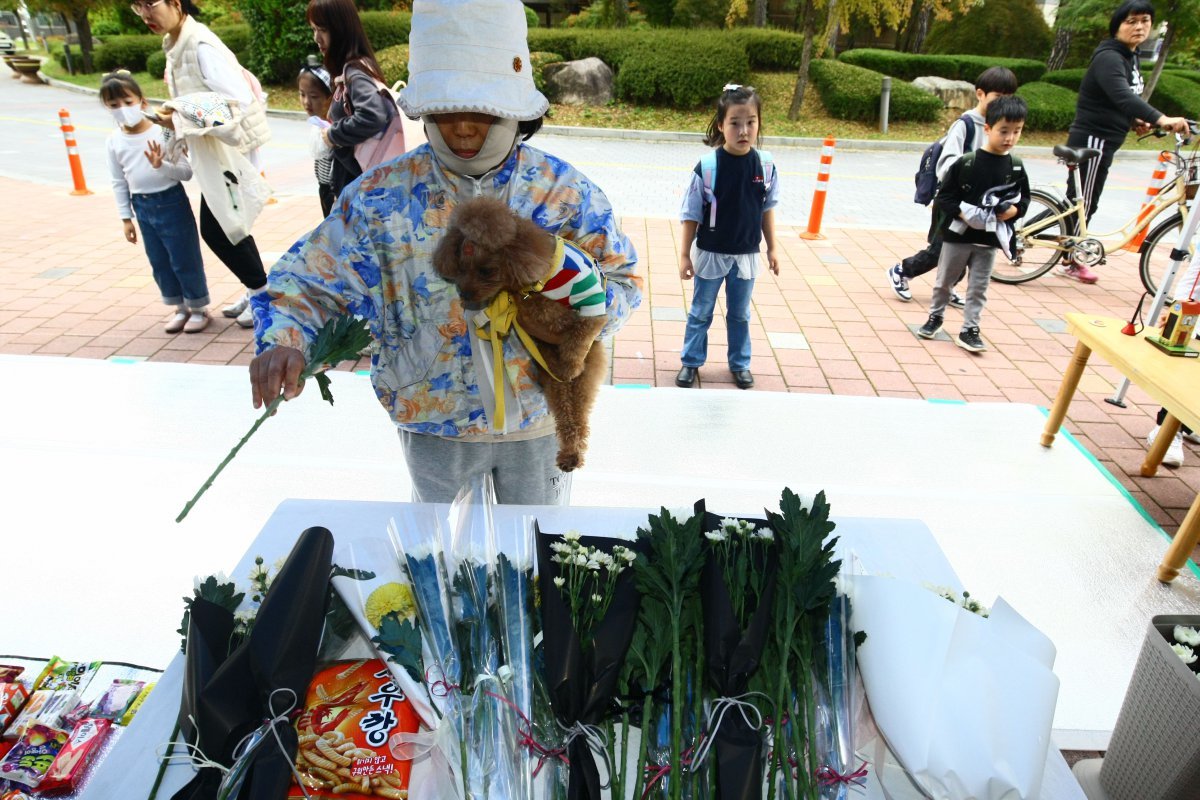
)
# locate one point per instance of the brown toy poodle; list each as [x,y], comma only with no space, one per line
[487,249]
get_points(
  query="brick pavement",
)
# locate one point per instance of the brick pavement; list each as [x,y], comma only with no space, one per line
[72,286]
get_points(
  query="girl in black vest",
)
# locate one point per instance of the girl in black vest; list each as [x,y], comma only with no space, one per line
[725,217]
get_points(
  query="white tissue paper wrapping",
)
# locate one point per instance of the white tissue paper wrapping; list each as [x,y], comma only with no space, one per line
[966,703]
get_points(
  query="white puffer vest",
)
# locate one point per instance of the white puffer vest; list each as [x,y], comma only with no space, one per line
[184,77]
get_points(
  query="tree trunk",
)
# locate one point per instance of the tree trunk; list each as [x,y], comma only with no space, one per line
[805,58]
[620,13]
[832,26]
[760,13]
[1159,64]
[921,28]
[84,28]
[1062,46]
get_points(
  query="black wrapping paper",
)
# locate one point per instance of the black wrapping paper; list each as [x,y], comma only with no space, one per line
[234,699]
[731,656]
[581,687]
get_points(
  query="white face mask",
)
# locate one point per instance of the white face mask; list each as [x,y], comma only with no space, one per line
[128,116]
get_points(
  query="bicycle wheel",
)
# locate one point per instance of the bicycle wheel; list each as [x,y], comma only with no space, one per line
[1042,242]
[1156,251]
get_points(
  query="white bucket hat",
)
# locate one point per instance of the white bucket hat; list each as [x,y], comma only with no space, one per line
[470,55]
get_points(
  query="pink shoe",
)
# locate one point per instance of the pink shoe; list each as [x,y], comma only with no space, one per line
[1078,272]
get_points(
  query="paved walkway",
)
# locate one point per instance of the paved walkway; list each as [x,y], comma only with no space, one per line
[71,286]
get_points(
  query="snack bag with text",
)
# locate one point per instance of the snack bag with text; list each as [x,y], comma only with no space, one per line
[352,710]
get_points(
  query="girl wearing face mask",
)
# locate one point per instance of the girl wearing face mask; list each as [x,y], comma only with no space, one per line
[147,186]
[470,83]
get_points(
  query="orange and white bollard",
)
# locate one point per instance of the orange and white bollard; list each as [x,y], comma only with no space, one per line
[1156,183]
[818,204]
[64,119]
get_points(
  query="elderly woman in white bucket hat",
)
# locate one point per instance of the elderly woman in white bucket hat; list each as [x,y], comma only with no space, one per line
[471,84]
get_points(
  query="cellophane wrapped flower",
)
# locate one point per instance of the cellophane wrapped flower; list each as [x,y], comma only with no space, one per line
[416,538]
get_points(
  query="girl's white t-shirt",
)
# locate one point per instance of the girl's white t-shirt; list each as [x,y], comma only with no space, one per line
[131,170]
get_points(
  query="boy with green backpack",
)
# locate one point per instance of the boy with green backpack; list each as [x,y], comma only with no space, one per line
[980,196]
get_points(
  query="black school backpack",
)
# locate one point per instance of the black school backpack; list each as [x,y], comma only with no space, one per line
[926,178]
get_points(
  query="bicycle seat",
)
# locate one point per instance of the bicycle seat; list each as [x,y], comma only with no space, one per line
[1072,156]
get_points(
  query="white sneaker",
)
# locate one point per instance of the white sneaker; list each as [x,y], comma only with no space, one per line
[1192,437]
[246,318]
[236,309]
[1174,455]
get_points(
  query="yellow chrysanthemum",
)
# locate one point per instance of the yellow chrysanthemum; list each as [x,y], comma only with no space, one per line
[390,597]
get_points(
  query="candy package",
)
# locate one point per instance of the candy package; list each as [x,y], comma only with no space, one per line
[127,717]
[14,794]
[12,698]
[352,710]
[73,760]
[45,706]
[117,699]
[9,673]
[72,676]
[32,756]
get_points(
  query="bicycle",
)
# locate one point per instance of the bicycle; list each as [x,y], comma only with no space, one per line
[1059,225]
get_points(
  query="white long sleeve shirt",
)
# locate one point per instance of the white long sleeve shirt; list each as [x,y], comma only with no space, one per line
[131,171]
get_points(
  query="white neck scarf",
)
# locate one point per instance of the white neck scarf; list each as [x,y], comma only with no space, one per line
[500,140]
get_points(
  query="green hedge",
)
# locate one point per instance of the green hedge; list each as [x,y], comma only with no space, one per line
[393,63]
[851,92]
[1066,78]
[1051,107]
[124,52]
[1180,72]
[385,29]
[911,66]
[156,64]
[769,49]
[666,68]
[1176,96]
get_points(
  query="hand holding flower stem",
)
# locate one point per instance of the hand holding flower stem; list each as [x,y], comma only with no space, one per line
[340,339]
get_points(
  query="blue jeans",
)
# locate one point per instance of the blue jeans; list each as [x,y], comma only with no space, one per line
[737,320]
[173,246]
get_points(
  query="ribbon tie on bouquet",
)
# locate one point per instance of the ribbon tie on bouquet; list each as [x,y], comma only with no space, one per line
[596,741]
[716,713]
[502,320]
[828,776]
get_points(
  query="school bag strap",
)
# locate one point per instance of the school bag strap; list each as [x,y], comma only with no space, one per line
[708,177]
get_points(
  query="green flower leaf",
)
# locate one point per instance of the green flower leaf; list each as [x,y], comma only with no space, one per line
[401,640]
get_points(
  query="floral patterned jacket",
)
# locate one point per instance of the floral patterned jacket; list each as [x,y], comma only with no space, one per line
[373,258]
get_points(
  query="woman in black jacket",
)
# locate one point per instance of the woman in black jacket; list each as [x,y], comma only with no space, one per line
[359,109]
[1109,104]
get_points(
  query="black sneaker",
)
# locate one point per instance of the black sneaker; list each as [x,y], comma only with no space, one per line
[968,339]
[956,300]
[931,327]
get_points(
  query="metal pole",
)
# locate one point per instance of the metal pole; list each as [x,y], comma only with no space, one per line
[885,101]
[1178,256]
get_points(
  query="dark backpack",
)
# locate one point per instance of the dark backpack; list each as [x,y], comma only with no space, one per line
[926,178]
[1015,165]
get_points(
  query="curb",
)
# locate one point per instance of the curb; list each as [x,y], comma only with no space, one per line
[687,137]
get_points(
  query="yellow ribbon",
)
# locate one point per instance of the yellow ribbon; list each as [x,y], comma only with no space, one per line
[502,319]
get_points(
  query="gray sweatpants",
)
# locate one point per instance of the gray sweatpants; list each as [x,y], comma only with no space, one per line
[524,472]
[957,257]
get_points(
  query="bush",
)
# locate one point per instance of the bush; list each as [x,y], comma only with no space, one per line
[1176,96]
[531,18]
[1012,28]
[393,63]
[1066,78]
[851,92]
[538,60]
[237,38]
[384,28]
[281,38]
[666,68]
[555,40]
[769,49]
[1051,107]
[1183,72]
[125,52]
[156,64]
[910,66]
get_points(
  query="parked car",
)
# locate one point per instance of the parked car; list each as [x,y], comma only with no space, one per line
[6,44]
